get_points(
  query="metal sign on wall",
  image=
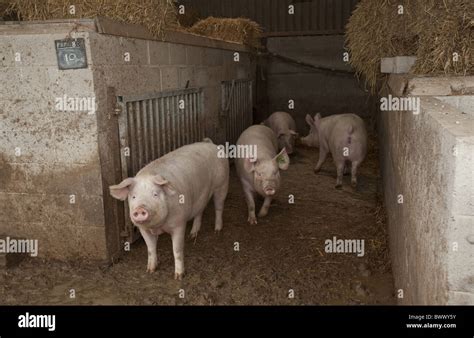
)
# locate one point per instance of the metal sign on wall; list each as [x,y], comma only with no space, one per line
[71,53]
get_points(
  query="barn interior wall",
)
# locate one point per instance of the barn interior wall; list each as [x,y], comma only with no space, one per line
[427,165]
[50,187]
[55,166]
[311,90]
[156,66]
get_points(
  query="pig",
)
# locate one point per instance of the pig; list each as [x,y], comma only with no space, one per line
[312,139]
[284,126]
[260,174]
[172,190]
[343,135]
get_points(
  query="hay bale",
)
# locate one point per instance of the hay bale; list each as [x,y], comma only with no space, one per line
[430,29]
[4,10]
[189,18]
[445,27]
[240,30]
[155,15]
[376,30]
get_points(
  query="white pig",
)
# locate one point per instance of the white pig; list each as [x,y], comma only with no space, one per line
[172,190]
[343,135]
[284,127]
[261,174]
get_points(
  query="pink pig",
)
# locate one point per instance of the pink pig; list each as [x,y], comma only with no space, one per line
[172,190]
[343,135]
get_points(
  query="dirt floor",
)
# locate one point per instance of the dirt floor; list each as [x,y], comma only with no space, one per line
[285,251]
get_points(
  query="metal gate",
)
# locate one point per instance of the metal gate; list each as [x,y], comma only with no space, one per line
[237,106]
[151,126]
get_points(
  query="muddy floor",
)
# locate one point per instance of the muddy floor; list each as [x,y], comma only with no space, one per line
[282,260]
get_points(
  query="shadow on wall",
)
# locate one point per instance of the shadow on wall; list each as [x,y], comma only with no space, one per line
[331,89]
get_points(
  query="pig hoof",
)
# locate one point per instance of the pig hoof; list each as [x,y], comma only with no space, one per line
[150,270]
[217,231]
[252,220]
[338,186]
[354,185]
[316,170]
[193,235]
[178,276]
[262,213]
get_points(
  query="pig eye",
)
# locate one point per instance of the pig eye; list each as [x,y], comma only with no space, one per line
[259,174]
[133,197]
[155,194]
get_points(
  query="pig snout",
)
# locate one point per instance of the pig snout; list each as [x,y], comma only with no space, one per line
[269,191]
[140,215]
[269,188]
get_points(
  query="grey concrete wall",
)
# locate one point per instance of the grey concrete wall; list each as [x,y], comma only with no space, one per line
[59,154]
[157,66]
[312,91]
[76,153]
[428,159]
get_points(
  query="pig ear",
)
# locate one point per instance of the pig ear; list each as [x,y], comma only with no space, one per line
[309,120]
[317,120]
[282,160]
[120,191]
[249,164]
[164,184]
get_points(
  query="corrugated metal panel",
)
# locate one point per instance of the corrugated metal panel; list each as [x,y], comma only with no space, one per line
[310,17]
[153,125]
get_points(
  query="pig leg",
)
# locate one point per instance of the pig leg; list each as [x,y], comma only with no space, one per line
[340,173]
[346,169]
[150,240]
[266,205]
[249,198]
[177,237]
[219,199]
[355,165]
[323,153]
[196,226]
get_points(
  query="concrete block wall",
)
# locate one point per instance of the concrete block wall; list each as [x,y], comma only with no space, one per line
[428,159]
[48,157]
[157,66]
[65,154]
[397,64]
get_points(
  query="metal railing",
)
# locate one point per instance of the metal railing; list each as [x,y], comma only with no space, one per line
[237,104]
